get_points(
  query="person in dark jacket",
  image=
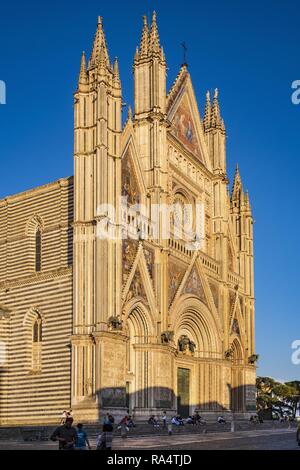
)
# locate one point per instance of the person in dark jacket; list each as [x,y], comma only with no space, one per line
[66,435]
[298,434]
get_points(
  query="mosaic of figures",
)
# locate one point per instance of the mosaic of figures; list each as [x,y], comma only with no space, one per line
[137,289]
[235,327]
[194,285]
[176,273]
[130,248]
[184,128]
[129,182]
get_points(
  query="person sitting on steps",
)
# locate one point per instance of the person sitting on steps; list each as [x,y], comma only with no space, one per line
[153,421]
[221,420]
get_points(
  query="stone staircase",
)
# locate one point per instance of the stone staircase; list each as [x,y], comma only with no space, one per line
[32,433]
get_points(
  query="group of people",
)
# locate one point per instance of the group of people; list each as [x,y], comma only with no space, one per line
[196,419]
[176,420]
[126,424]
[71,438]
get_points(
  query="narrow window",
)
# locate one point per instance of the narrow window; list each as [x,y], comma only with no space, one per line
[37,344]
[38,250]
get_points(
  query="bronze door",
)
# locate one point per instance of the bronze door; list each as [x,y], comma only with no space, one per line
[183,392]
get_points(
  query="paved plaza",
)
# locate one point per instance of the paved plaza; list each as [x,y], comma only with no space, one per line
[283,439]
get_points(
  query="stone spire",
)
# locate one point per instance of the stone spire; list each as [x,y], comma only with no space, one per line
[145,38]
[129,115]
[207,112]
[83,76]
[237,189]
[99,52]
[154,36]
[247,202]
[116,73]
[215,111]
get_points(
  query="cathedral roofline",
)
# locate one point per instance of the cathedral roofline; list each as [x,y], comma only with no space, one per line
[65,181]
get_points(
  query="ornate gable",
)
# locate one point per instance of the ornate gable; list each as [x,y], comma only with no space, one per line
[184,115]
[183,127]
[194,286]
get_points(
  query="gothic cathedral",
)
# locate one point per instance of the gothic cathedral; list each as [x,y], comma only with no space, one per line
[147,321]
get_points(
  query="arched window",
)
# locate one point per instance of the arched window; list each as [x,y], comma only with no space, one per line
[37,330]
[34,231]
[37,344]
[38,250]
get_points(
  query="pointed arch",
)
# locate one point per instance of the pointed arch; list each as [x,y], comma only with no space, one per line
[237,376]
[139,325]
[33,323]
[140,269]
[34,230]
[207,294]
[33,224]
[192,318]
[141,318]
[237,350]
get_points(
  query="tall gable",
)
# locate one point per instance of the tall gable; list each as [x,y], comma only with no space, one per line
[184,115]
[184,127]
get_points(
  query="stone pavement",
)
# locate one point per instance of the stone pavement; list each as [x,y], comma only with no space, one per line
[279,439]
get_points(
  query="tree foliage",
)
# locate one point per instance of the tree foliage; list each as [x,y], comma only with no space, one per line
[276,396]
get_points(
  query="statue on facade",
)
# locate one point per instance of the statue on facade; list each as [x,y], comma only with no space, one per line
[229,354]
[167,337]
[253,359]
[114,324]
[185,345]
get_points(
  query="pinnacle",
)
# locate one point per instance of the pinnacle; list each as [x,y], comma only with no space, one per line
[154,36]
[83,78]
[145,38]
[99,53]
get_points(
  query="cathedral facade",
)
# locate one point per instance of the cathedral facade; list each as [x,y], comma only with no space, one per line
[101,308]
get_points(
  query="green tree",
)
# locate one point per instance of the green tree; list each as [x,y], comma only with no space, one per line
[277,396]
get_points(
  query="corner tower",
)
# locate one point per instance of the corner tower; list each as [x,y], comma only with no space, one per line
[98,126]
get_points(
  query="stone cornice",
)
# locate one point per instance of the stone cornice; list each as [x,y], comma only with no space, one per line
[36,278]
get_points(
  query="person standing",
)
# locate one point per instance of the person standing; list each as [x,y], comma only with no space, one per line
[82,442]
[109,419]
[104,441]
[66,435]
[298,434]
[164,418]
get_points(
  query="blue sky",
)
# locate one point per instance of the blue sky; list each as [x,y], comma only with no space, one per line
[250,51]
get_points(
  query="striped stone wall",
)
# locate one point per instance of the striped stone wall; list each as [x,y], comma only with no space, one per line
[29,395]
